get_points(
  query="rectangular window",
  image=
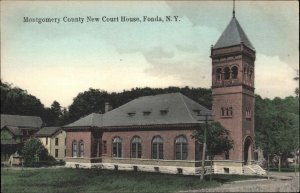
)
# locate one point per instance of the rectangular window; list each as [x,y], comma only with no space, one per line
[46,140]
[104,147]
[56,141]
[56,153]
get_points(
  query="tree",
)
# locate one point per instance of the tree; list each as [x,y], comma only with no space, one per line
[56,108]
[17,101]
[64,117]
[217,139]
[91,101]
[277,127]
[53,115]
[34,152]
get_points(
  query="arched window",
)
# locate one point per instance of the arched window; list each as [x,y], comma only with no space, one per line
[117,147]
[157,148]
[181,148]
[234,71]
[245,73]
[248,113]
[227,73]
[219,74]
[222,111]
[229,112]
[136,147]
[74,148]
[81,149]
[250,74]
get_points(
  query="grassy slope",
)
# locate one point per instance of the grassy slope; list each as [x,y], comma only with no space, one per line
[88,181]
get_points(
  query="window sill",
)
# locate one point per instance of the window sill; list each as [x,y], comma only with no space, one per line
[225,117]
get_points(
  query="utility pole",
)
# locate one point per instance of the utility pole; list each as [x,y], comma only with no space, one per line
[203,150]
[268,154]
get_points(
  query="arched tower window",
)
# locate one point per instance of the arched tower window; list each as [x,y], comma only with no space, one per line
[157,148]
[250,74]
[81,149]
[227,73]
[222,111]
[248,112]
[74,148]
[226,111]
[117,147]
[181,148]
[219,74]
[245,73]
[136,147]
[234,71]
[229,112]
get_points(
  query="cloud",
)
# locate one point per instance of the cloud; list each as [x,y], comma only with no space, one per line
[274,77]
[272,30]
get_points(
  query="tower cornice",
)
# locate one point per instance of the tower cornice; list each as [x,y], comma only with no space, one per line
[240,49]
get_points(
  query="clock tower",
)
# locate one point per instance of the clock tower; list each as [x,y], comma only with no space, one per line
[233,59]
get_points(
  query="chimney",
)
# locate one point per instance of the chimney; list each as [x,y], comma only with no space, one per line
[107,106]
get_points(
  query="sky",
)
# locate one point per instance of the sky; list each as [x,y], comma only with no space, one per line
[56,61]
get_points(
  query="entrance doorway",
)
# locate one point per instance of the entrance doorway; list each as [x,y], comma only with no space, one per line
[247,150]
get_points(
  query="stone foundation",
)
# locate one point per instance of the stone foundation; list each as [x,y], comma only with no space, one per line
[228,167]
[219,167]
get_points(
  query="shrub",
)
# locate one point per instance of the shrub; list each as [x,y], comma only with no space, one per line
[34,153]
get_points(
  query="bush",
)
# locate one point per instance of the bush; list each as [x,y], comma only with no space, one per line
[35,153]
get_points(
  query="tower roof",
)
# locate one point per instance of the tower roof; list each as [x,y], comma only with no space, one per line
[233,35]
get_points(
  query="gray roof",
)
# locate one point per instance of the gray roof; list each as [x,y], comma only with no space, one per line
[15,130]
[91,120]
[47,131]
[173,108]
[9,142]
[233,35]
[21,121]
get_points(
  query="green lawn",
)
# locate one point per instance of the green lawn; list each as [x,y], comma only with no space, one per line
[284,169]
[94,180]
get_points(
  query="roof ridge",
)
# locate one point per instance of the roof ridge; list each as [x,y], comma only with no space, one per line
[189,112]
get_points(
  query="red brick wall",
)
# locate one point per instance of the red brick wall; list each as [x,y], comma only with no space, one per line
[234,123]
[168,137]
[86,136]
[237,94]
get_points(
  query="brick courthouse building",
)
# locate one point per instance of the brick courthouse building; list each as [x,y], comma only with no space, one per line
[153,133]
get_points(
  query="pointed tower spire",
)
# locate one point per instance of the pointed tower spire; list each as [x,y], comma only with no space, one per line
[233,12]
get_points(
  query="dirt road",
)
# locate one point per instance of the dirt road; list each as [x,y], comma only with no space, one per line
[279,182]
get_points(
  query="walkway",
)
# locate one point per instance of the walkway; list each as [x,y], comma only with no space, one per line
[279,182]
